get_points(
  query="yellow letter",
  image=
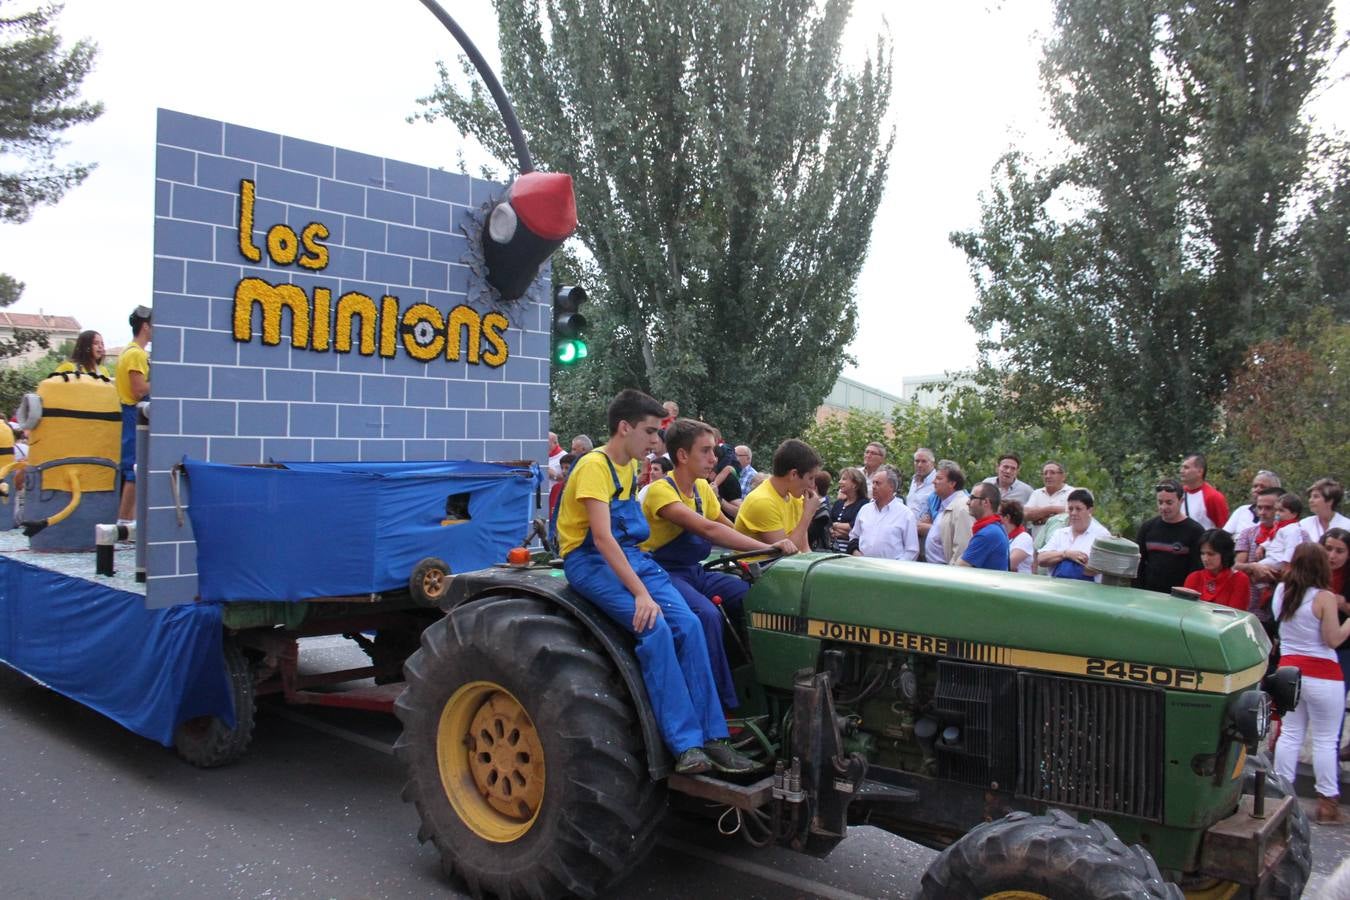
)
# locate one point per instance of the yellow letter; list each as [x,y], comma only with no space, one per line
[423,332]
[246,245]
[388,326]
[463,317]
[323,303]
[271,299]
[282,244]
[494,323]
[316,254]
[352,304]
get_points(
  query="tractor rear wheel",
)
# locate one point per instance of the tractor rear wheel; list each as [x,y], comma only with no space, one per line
[1050,857]
[206,741]
[523,753]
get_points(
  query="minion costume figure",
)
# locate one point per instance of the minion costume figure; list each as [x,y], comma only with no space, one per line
[685,520]
[600,530]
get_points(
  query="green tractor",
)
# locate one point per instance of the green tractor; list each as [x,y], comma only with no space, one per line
[1054,739]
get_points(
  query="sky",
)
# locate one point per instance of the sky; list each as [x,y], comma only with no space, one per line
[348,73]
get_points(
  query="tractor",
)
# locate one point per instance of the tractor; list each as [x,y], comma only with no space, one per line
[1053,738]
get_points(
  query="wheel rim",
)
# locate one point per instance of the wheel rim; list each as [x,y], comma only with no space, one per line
[1016,895]
[433,582]
[491,761]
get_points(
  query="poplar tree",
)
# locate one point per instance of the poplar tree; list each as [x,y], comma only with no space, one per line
[728,166]
[1126,276]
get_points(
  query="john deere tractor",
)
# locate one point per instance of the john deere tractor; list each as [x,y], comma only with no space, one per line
[1053,738]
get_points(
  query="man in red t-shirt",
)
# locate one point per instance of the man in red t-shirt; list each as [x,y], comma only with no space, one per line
[1202,500]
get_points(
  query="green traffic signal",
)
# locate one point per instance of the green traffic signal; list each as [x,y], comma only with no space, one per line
[569,352]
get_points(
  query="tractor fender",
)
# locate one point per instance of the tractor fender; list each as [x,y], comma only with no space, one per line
[550,586]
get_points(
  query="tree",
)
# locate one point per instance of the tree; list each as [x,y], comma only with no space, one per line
[1287,408]
[1128,277]
[727,174]
[39,85]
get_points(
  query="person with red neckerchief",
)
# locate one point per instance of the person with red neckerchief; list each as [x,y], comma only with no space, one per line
[1309,630]
[1273,546]
[1202,500]
[988,547]
[1216,581]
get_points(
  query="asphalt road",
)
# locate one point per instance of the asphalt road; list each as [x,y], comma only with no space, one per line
[88,809]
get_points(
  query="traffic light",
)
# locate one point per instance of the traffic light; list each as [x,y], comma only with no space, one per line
[568,324]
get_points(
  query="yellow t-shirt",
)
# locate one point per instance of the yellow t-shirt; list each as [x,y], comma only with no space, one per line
[764,510]
[133,359]
[589,480]
[660,495]
[69,366]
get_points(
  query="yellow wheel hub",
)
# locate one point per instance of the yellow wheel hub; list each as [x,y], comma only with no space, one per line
[1016,895]
[491,761]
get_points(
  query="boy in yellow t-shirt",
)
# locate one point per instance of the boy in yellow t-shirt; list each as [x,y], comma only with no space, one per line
[133,386]
[783,506]
[685,520]
[600,530]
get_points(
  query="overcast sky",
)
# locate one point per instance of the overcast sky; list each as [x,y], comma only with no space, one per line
[347,73]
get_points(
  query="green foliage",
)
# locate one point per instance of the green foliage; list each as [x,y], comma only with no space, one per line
[1288,410]
[1126,278]
[841,440]
[727,174]
[39,87]
[18,380]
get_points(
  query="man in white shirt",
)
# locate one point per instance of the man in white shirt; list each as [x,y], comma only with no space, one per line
[920,488]
[555,455]
[1244,517]
[874,457]
[885,528]
[1010,487]
[1047,501]
[1066,553]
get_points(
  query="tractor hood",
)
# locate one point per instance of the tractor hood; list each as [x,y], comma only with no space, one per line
[1029,621]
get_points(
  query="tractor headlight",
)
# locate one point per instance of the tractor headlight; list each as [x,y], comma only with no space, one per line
[1249,717]
[1284,686]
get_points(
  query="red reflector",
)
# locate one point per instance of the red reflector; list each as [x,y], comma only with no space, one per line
[518,556]
[545,203]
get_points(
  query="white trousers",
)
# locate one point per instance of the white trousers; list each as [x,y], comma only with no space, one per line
[1319,710]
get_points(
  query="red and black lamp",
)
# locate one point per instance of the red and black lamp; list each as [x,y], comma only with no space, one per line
[538,211]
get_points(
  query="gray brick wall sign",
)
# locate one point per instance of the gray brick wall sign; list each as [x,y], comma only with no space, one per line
[311,302]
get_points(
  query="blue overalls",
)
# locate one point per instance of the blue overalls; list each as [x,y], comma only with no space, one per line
[683,558]
[672,654]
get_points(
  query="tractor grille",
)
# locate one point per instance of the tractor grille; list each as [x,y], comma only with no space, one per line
[1091,745]
[980,700]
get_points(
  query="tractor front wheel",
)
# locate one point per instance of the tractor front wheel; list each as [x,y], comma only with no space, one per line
[1050,857]
[523,754]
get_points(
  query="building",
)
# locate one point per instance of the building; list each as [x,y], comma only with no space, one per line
[929,390]
[848,394]
[58,329]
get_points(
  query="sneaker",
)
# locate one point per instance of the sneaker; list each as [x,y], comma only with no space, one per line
[693,762]
[727,760]
[1328,812]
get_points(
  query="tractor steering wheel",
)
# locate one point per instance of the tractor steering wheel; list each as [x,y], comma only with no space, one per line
[733,563]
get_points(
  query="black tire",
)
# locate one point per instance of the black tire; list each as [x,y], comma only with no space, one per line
[1291,875]
[207,742]
[429,581]
[599,810]
[1053,855]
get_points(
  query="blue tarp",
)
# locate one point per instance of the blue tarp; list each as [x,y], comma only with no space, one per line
[323,529]
[146,669]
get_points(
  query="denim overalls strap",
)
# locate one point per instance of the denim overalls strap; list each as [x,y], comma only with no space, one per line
[626,520]
[687,549]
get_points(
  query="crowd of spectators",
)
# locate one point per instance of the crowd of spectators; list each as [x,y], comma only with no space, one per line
[1194,547]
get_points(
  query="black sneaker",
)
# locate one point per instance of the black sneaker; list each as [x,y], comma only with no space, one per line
[693,762]
[725,759]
